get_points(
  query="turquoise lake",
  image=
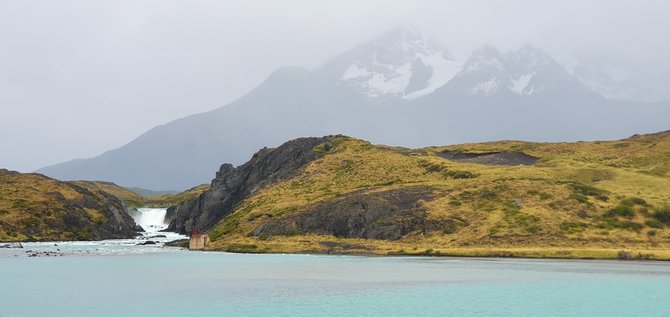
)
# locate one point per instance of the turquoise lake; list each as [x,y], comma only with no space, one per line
[172,282]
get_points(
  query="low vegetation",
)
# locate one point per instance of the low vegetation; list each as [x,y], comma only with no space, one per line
[134,200]
[584,199]
[34,207]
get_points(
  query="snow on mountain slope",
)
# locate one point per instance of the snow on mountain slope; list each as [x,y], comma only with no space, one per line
[399,64]
[524,72]
[520,86]
[623,82]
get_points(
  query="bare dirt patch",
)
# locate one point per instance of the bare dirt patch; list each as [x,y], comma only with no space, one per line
[491,158]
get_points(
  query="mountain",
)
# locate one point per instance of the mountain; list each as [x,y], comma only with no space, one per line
[34,207]
[617,82]
[337,194]
[395,89]
[399,64]
[526,72]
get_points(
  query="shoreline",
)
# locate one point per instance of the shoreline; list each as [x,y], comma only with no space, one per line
[322,244]
[555,253]
[639,255]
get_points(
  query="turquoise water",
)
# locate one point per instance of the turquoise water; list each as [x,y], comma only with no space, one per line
[182,283]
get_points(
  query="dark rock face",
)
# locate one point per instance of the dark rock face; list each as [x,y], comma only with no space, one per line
[170,214]
[494,158]
[119,224]
[387,215]
[232,185]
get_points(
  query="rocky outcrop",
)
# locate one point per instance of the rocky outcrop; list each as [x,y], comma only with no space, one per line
[117,225]
[232,185]
[34,207]
[385,215]
[170,215]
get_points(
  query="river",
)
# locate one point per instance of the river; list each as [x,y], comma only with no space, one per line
[121,278]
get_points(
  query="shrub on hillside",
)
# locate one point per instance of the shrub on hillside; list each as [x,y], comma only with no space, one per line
[662,214]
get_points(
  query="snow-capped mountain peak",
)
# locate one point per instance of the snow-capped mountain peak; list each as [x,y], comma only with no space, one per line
[401,64]
[531,57]
[484,59]
[526,71]
[398,64]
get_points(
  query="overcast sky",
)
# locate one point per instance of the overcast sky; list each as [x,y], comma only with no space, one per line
[78,78]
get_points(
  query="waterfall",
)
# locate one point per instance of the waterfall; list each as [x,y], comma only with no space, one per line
[151,219]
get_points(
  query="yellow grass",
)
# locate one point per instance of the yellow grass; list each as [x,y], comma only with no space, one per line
[133,199]
[318,244]
[551,219]
[38,204]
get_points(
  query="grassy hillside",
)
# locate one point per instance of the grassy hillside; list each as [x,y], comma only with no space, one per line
[168,200]
[584,199]
[129,198]
[34,207]
[133,200]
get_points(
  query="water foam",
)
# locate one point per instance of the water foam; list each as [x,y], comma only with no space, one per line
[151,219]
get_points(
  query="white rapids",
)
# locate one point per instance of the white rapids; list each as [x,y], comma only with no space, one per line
[151,219]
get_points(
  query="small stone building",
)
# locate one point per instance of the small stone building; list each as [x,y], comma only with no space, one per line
[198,241]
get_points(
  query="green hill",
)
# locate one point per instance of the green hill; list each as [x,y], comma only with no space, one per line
[34,207]
[584,199]
[133,199]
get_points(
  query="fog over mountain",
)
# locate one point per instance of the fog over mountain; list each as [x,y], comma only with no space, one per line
[79,78]
[394,89]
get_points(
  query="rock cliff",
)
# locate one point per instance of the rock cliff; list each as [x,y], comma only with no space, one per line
[233,184]
[386,215]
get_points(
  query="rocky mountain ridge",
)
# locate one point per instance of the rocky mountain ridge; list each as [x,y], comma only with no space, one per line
[397,89]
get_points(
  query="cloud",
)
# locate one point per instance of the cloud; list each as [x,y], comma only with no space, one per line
[88,76]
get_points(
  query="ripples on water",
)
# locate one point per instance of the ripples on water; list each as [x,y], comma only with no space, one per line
[170,282]
[120,278]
